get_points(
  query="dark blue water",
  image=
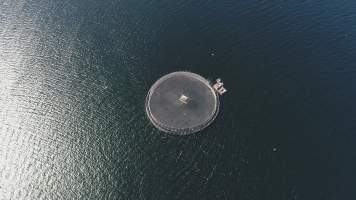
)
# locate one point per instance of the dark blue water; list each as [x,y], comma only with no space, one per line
[74,76]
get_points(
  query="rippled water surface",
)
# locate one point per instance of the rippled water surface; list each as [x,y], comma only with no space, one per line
[74,76]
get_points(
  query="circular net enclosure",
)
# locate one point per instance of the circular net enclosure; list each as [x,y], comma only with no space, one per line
[182,103]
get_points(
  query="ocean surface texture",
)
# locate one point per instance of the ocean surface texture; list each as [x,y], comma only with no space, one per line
[74,77]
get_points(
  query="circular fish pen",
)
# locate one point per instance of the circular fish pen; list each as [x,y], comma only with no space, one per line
[182,103]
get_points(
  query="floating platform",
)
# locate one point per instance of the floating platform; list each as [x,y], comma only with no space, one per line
[183,103]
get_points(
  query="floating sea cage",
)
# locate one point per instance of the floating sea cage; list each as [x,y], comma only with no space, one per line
[183,103]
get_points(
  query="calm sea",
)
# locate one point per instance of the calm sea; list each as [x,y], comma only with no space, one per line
[74,76]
